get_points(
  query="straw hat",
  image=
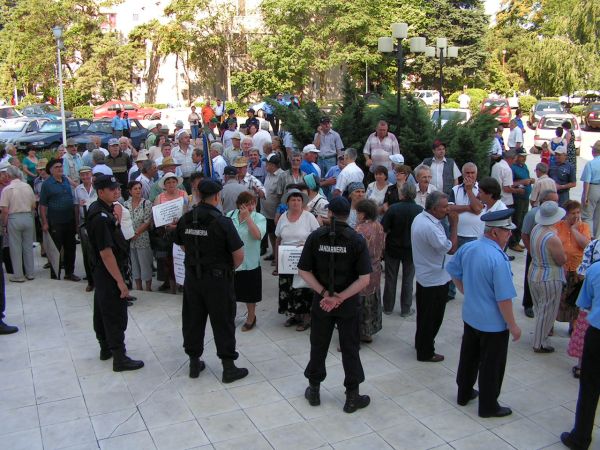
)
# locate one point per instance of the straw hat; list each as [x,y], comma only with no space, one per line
[168,161]
[166,176]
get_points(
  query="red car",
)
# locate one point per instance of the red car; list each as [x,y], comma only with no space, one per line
[497,107]
[135,111]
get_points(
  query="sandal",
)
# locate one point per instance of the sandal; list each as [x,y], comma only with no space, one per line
[303,326]
[248,326]
[576,372]
[291,321]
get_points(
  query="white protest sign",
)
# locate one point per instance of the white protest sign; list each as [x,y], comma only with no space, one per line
[178,258]
[287,259]
[164,213]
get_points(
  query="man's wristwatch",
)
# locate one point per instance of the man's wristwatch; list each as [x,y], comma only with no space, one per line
[322,293]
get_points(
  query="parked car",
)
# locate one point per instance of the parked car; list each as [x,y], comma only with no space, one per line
[451,114]
[429,96]
[10,132]
[547,125]
[260,106]
[103,129]
[44,110]
[498,107]
[49,137]
[542,108]
[9,114]
[591,115]
[135,111]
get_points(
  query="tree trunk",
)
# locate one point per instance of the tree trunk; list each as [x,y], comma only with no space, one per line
[152,75]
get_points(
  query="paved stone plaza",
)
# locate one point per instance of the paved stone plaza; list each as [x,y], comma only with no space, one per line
[56,393]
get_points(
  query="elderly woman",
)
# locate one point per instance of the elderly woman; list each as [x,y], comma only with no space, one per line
[574,235]
[251,226]
[293,227]
[377,189]
[317,203]
[392,195]
[370,297]
[356,193]
[140,251]
[546,276]
[164,253]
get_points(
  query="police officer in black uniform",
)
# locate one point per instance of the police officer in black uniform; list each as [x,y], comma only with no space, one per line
[213,250]
[108,260]
[335,263]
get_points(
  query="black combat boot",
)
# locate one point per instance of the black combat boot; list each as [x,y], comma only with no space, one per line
[232,373]
[196,366]
[122,362]
[105,352]
[355,401]
[312,394]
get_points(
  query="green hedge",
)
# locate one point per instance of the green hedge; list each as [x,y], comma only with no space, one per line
[550,99]
[477,97]
[154,105]
[451,105]
[526,102]
[577,110]
[83,112]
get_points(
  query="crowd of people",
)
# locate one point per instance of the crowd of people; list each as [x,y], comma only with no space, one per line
[262,193]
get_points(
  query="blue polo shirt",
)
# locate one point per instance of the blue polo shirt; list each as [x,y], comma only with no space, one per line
[589,296]
[116,123]
[58,198]
[308,168]
[591,171]
[521,173]
[486,275]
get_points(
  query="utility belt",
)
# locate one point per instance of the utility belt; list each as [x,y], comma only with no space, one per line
[202,270]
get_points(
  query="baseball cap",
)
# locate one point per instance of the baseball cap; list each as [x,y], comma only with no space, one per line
[71,141]
[310,148]
[113,141]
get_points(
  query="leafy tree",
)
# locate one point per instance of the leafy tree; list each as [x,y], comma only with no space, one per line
[352,123]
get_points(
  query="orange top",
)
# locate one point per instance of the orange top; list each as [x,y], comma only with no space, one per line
[207,113]
[572,249]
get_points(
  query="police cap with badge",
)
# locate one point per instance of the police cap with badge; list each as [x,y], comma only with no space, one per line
[102,181]
[499,219]
[209,187]
[339,206]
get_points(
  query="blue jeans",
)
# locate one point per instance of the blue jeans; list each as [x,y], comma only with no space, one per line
[194,129]
[326,163]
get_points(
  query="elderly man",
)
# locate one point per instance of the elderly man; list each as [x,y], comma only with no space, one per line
[197,159]
[120,163]
[126,147]
[424,186]
[178,130]
[251,183]
[503,174]
[166,152]
[229,133]
[168,166]
[430,248]
[310,155]
[99,163]
[85,195]
[444,171]
[526,228]
[136,169]
[543,183]
[72,162]
[351,173]
[378,148]
[467,206]
[262,137]
[218,162]
[397,223]
[183,155]
[523,181]
[58,216]
[515,136]
[256,167]
[146,178]
[482,272]
[329,144]
[232,188]
[95,143]
[247,144]
[564,174]
[234,150]
[590,197]
[273,192]
[18,206]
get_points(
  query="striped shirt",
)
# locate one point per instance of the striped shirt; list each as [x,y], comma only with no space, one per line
[543,267]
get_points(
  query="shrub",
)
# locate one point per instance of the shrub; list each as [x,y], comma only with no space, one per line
[526,102]
[551,99]
[29,99]
[454,97]
[477,97]
[577,110]
[154,105]
[83,112]
[451,105]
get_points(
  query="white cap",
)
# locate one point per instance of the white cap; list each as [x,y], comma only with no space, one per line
[560,149]
[310,148]
[397,159]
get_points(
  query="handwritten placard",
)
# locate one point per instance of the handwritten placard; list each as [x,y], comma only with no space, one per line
[287,259]
[164,213]
[178,258]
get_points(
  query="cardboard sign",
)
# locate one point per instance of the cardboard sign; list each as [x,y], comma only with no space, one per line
[287,259]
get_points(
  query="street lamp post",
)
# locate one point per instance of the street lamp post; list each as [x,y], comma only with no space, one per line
[58,32]
[442,52]
[386,45]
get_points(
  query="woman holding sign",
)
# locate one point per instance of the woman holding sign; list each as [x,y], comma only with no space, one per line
[293,228]
[168,183]
[251,226]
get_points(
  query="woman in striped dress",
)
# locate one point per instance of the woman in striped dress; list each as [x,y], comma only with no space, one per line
[546,274]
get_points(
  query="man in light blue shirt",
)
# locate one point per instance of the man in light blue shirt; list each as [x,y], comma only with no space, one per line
[590,197]
[589,386]
[117,124]
[481,271]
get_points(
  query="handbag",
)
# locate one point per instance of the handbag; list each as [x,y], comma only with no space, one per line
[571,298]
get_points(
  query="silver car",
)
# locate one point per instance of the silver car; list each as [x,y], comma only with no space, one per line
[11,131]
[546,129]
